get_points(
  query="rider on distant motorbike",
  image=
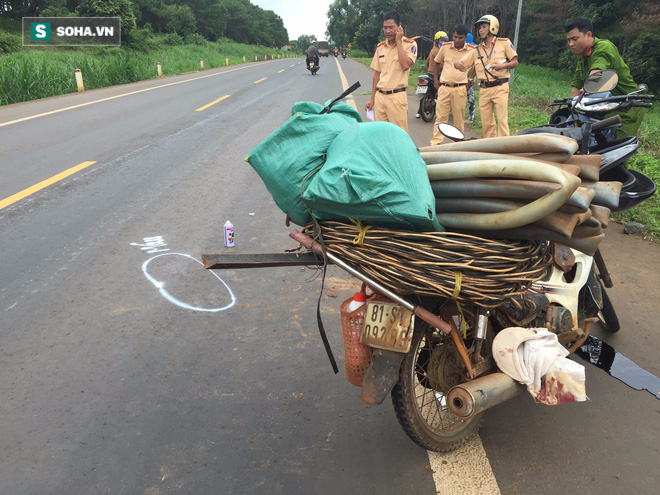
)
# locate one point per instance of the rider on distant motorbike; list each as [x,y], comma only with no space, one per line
[313,54]
[343,51]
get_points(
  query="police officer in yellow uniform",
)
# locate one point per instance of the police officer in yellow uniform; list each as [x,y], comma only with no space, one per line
[392,62]
[452,86]
[492,59]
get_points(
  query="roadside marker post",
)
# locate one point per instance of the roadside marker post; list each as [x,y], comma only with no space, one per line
[243,58]
[201,63]
[79,80]
[160,70]
[226,60]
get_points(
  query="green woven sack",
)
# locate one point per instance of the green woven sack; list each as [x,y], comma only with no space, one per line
[375,174]
[296,149]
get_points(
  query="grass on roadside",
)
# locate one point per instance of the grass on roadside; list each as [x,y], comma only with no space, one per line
[33,74]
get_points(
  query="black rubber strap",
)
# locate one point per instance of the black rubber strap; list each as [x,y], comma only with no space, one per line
[343,95]
[319,321]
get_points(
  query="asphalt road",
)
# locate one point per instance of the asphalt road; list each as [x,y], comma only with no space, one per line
[111,383]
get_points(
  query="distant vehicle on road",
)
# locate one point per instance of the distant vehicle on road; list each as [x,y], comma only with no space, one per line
[323,48]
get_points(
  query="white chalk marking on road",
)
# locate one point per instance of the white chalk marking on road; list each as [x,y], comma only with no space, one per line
[466,471]
[43,184]
[160,285]
[119,96]
[344,83]
[152,244]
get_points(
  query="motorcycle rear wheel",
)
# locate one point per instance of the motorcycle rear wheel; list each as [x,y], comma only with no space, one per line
[426,375]
[607,315]
[427,108]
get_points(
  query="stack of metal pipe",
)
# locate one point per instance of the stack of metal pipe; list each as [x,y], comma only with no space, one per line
[530,187]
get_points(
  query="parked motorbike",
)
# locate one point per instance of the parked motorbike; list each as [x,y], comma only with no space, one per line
[313,65]
[583,118]
[429,96]
[438,366]
[442,387]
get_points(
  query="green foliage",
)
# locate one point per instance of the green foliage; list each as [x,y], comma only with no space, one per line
[195,39]
[644,60]
[110,8]
[9,42]
[173,39]
[179,19]
[142,40]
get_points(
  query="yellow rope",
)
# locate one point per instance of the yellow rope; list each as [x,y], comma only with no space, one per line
[362,231]
[457,290]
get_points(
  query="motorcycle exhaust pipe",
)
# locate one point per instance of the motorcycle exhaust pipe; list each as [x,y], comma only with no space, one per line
[478,395]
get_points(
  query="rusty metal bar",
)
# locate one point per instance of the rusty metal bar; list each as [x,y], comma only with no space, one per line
[418,311]
[230,261]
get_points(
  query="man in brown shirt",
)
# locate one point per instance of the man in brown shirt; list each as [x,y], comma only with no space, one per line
[492,59]
[452,86]
[392,62]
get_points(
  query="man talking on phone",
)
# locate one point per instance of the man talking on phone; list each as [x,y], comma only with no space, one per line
[392,62]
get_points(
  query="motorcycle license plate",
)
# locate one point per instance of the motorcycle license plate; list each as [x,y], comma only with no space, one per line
[421,89]
[387,326]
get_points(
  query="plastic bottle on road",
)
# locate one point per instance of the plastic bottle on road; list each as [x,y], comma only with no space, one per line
[229,234]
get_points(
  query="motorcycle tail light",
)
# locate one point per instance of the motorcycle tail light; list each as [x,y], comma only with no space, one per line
[421,82]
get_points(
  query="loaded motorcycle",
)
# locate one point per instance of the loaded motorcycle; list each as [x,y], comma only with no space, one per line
[433,355]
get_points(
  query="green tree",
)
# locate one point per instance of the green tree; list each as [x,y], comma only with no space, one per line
[179,19]
[110,8]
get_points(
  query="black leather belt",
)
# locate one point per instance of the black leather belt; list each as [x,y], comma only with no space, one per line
[393,91]
[453,85]
[496,82]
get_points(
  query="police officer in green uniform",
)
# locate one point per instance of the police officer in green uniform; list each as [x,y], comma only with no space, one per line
[595,54]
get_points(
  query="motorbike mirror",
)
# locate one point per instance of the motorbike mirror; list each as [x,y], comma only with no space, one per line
[451,132]
[641,88]
[604,80]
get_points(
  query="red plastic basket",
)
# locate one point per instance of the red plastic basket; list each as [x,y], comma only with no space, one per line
[356,356]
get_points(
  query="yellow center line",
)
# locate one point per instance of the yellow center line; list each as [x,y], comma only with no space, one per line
[281,71]
[293,65]
[43,184]
[212,103]
[263,79]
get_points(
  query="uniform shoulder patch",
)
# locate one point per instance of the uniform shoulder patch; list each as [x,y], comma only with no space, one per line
[409,40]
[381,43]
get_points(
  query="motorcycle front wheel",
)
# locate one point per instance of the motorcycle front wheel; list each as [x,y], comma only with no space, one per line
[431,368]
[427,108]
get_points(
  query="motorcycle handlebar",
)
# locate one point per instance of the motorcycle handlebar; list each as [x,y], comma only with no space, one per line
[643,105]
[606,123]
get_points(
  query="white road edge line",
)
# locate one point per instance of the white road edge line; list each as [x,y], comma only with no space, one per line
[344,83]
[465,471]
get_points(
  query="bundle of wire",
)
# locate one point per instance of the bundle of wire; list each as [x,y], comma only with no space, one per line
[448,264]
